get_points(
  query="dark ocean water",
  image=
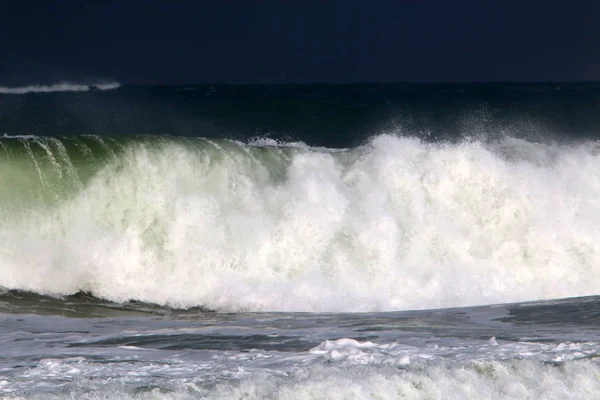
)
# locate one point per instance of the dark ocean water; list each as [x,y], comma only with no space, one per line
[318,115]
[376,241]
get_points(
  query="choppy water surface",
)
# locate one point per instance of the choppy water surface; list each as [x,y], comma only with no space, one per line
[88,348]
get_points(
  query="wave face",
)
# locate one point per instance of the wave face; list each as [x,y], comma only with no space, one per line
[59,87]
[396,223]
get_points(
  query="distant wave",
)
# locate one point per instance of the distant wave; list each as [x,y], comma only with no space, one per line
[59,87]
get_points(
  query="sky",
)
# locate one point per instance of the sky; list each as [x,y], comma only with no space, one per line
[255,41]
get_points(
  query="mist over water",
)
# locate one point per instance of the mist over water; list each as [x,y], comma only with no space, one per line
[396,223]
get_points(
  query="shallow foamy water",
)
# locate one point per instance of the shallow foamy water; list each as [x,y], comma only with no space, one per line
[530,350]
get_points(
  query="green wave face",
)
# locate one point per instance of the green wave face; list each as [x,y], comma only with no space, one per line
[38,171]
[45,171]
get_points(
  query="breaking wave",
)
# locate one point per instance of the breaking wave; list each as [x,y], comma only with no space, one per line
[394,224]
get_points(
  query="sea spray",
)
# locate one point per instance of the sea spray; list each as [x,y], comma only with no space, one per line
[396,223]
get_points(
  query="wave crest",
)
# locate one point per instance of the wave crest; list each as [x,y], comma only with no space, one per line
[59,87]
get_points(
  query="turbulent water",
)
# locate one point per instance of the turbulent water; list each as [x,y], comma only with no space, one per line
[288,241]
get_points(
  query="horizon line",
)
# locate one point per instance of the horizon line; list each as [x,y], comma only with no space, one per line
[282,83]
[364,83]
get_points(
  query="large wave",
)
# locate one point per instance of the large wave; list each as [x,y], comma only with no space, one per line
[394,224]
[59,87]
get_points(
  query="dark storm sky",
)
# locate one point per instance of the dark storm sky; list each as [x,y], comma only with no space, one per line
[234,41]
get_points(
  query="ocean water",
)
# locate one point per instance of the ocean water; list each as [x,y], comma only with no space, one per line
[377,241]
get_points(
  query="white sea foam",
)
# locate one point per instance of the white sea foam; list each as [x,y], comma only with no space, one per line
[59,87]
[513,379]
[343,368]
[396,224]
[347,352]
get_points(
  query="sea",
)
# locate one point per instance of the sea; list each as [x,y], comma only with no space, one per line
[300,241]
